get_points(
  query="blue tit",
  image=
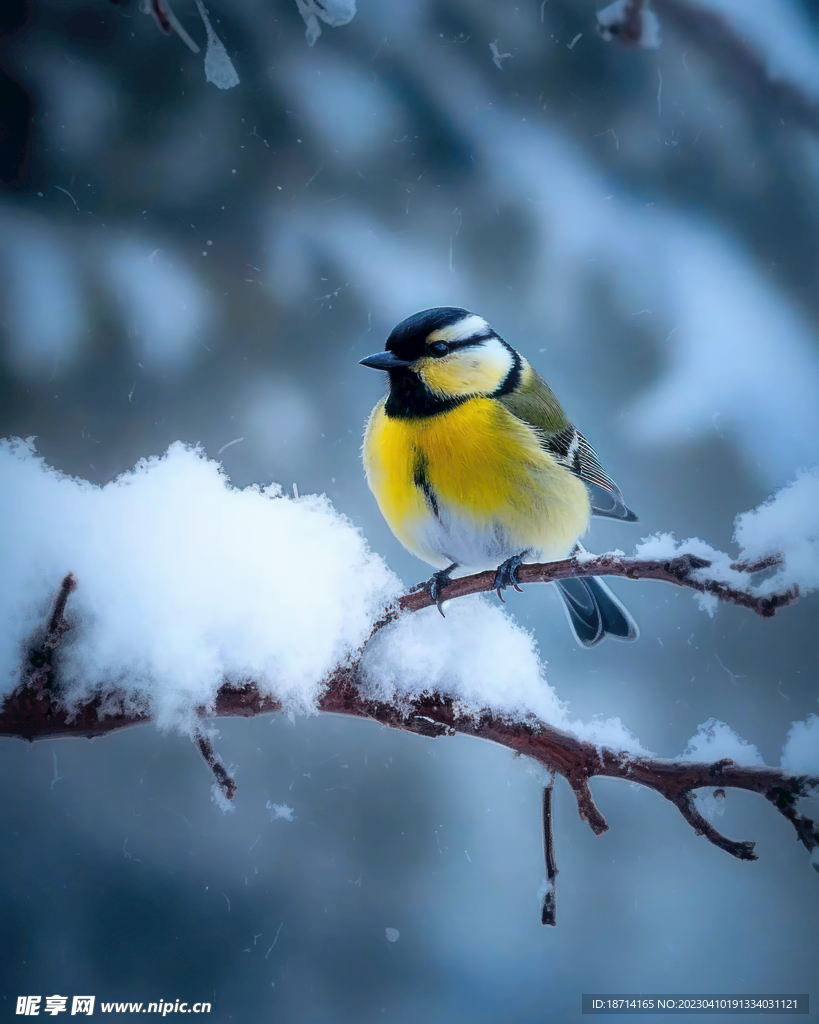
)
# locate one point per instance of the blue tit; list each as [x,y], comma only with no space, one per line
[475,465]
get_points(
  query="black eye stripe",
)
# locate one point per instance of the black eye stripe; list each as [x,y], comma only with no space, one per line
[452,346]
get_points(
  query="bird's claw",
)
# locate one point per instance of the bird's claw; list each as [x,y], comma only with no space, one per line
[507,576]
[435,585]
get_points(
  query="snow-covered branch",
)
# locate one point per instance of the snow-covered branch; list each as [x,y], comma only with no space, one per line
[680,567]
[35,711]
[180,602]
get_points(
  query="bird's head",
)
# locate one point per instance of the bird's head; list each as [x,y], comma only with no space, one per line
[447,353]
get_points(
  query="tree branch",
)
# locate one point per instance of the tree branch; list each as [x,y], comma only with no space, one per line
[683,570]
[224,780]
[734,58]
[34,710]
[548,903]
[38,673]
[732,54]
[742,850]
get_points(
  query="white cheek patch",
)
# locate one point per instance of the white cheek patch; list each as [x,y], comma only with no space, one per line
[495,358]
[463,329]
[478,369]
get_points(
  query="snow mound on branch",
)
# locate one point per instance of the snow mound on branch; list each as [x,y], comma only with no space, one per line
[784,529]
[182,581]
[786,524]
[185,581]
[800,755]
[482,658]
[714,740]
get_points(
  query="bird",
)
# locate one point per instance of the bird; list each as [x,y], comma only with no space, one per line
[475,465]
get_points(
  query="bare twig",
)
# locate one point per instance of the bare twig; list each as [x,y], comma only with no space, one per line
[548,905]
[38,674]
[685,804]
[586,807]
[224,780]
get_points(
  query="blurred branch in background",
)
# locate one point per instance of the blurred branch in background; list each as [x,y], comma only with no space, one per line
[708,25]
[593,200]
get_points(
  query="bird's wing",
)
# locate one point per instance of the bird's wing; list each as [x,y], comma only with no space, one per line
[570,449]
[535,403]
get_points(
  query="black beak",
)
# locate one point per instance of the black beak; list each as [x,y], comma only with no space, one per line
[384,361]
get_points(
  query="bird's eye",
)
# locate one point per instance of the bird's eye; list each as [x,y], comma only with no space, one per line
[438,348]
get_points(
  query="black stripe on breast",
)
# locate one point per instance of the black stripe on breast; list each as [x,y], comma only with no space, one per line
[421,481]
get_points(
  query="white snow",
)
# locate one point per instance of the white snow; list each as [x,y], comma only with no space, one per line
[800,754]
[714,740]
[183,580]
[282,812]
[218,797]
[709,804]
[664,546]
[546,888]
[331,12]
[219,68]
[787,524]
[482,657]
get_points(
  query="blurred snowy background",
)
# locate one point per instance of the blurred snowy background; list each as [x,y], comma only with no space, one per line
[184,261]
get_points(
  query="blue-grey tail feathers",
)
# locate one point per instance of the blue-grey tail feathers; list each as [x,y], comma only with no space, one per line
[594,612]
[609,503]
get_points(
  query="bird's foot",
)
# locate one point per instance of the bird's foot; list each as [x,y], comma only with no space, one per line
[436,584]
[507,575]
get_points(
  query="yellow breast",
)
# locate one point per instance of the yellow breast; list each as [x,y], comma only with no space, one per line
[472,485]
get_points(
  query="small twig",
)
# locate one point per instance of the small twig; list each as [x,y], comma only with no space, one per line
[807,830]
[39,676]
[586,807]
[167,22]
[224,780]
[685,805]
[768,562]
[548,906]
